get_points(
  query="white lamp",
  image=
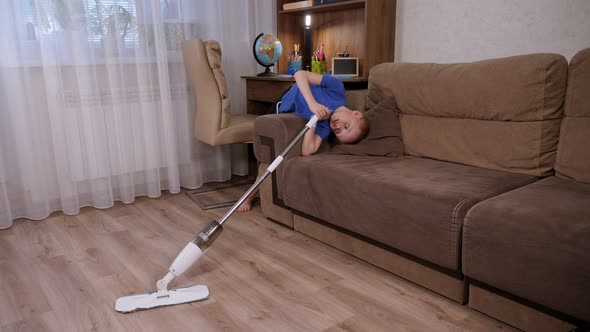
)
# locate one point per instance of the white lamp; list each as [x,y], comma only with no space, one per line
[307,42]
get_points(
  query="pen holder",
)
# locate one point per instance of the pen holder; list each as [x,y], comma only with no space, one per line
[319,67]
[293,67]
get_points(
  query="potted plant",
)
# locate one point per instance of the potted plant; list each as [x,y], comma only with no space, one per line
[111,23]
[72,36]
[70,15]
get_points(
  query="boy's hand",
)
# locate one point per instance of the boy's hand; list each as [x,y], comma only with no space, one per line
[321,111]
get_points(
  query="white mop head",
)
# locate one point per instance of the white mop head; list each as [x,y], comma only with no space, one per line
[187,257]
[150,300]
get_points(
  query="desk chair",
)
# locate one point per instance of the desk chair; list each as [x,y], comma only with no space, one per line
[214,122]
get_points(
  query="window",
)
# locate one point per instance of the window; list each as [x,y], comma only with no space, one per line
[99,18]
[78,31]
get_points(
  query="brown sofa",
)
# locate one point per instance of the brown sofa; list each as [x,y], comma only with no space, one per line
[486,197]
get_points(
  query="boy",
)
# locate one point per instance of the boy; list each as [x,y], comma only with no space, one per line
[322,95]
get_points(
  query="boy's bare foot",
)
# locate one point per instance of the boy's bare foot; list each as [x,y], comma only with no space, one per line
[246,205]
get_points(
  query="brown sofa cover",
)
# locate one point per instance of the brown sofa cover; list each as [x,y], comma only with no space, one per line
[473,134]
[415,205]
[533,242]
[573,157]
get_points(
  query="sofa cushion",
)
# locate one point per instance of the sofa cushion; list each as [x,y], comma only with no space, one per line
[481,113]
[356,99]
[384,136]
[533,242]
[573,154]
[415,205]
[512,146]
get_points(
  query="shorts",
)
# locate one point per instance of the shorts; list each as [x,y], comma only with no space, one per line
[274,108]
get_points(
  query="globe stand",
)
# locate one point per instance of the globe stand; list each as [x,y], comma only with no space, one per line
[268,47]
[267,73]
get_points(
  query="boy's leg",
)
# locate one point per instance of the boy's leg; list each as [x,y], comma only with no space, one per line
[247,204]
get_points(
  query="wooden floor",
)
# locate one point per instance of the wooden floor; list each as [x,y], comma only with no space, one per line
[64,274]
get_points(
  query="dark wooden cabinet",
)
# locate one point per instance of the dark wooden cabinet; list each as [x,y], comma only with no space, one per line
[363,28]
[262,92]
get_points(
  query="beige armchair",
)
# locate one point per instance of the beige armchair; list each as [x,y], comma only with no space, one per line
[214,122]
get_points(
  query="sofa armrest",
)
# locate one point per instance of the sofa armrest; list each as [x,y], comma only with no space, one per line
[272,134]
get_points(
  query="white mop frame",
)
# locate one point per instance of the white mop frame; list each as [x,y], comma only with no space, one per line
[194,250]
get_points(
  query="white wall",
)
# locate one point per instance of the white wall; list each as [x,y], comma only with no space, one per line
[469,30]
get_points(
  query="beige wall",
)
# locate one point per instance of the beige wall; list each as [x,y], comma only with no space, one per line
[469,30]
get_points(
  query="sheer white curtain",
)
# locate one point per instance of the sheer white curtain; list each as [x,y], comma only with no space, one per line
[95,106]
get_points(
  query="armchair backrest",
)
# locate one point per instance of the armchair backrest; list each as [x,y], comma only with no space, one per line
[203,63]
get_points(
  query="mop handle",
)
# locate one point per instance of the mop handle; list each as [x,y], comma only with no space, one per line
[278,160]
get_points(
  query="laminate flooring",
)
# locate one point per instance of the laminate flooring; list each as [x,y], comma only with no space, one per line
[65,273]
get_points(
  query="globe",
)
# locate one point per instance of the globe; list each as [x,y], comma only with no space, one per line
[267,50]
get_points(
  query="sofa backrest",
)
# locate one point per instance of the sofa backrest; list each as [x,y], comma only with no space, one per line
[573,152]
[501,114]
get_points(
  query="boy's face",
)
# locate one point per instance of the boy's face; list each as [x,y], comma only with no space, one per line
[346,124]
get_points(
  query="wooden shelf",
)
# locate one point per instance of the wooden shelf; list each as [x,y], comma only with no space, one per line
[286,78]
[364,28]
[344,5]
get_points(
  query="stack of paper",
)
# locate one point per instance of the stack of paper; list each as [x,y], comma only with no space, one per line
[298,4]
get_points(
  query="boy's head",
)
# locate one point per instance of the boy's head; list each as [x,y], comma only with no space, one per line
[348,125]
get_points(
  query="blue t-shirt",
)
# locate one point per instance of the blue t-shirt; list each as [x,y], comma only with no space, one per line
[329,93]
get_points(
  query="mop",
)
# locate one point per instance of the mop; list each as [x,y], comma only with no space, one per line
[195,250]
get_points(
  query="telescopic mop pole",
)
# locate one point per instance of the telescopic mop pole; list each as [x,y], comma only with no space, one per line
[203,240]
[278,160]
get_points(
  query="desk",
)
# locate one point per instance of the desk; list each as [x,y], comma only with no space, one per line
[262,92]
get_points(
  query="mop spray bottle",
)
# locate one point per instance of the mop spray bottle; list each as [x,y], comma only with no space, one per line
[207,235]
[196,248]
[191,252]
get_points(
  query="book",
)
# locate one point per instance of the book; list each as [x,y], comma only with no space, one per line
[324,2]
[298,4]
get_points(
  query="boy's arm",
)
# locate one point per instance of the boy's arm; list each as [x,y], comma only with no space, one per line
[303,80]
[311,142]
